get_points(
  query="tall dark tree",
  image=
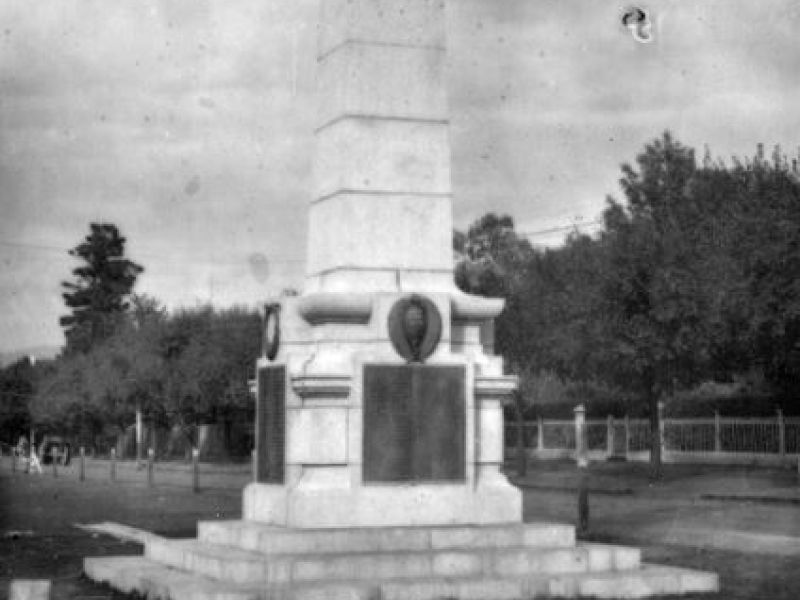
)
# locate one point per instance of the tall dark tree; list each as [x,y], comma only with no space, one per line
[99,294]
[653,306]
[17,387]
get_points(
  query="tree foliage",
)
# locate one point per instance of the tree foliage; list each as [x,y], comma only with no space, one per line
[17,387]
[184,369]
[99,294]
[694,277]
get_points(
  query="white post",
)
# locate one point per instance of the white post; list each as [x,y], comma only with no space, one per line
[583,463]
[781,433]
[609,436]
[539,433]
[717,432]
[139,435]
[627,436]
[580,436]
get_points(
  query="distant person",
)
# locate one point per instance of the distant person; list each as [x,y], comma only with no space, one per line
[21,450]
[33,462]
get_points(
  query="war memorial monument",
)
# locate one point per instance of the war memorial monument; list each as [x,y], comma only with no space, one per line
[379,428]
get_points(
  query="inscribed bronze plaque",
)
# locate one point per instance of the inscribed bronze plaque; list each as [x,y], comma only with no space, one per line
[414,423]
[271,424]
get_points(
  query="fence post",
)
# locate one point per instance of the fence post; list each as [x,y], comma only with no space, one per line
[253,464]
[13,460]
[539,433]
[583,462]
[113,470]
[580,435]
[150,457]
[55,461]
[627,436]
[662,426]
[609,436]
[781,433]
[195,470]
[83,464]
[717,433]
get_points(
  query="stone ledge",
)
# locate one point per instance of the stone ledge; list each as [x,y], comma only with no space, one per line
[323,307]
[313,386]
[495,386]
[466,307]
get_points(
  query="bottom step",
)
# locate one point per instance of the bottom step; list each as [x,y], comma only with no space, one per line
[152,580]
[156,581]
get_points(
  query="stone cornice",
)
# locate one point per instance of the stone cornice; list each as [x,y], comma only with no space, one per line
[310,386]
[495,386]
[466,307]
[335,308]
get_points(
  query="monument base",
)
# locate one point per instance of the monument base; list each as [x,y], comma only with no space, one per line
[309,506]
[243,560]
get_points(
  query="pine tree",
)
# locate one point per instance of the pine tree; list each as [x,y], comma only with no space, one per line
[99,294]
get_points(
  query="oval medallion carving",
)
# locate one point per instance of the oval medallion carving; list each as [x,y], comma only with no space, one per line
[415,327]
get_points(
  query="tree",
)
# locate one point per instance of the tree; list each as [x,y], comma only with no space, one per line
[99,294]
[653,309]
[494,262]
[17,387]
[765,245]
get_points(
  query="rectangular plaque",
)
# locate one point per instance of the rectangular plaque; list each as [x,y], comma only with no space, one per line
[414,423]
[271,424]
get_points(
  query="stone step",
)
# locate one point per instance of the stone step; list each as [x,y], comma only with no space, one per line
[224,563]
[269,539]
[155,581]
[646,581]
[245,567]
[149,579]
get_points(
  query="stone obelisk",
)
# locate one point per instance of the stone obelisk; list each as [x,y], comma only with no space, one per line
[379,399]
[380,219]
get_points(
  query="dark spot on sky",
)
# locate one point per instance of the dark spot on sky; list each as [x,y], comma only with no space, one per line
[147,118]
[192,186]
[206,102]
[479,25]
[102,117]
[7,32]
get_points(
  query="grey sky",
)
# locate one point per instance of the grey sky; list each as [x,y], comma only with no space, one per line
[188,124]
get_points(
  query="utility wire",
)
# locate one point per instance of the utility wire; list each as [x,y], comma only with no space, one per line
[161,257]
[561,228]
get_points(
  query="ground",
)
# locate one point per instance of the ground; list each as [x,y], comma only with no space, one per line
[743,523]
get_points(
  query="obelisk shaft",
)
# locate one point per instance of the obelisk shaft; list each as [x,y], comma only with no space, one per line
[381,212]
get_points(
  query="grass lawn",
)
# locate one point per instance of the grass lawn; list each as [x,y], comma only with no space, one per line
[37,514]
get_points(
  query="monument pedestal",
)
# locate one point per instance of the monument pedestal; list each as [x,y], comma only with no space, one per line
[371,440]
